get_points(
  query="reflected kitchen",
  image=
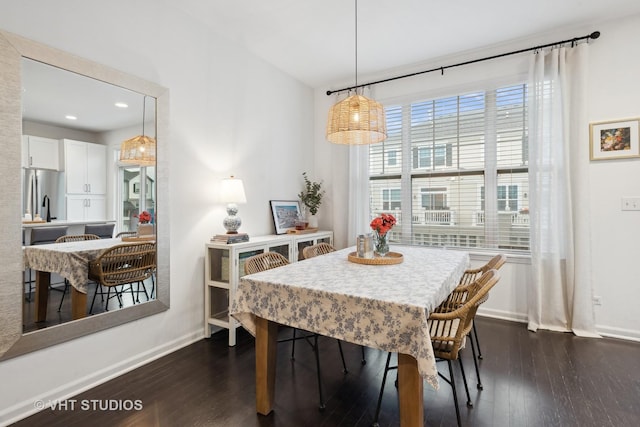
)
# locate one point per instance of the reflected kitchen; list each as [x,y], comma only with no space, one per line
[80,182]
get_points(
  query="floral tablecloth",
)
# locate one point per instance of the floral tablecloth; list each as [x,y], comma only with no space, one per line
[379,306]
[70,260]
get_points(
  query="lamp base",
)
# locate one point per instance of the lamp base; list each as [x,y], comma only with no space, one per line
[232,222]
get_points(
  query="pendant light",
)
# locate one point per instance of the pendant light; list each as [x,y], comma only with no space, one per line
[141,149]
[356,120]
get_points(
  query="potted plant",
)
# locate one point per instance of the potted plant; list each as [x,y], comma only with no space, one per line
[311,197]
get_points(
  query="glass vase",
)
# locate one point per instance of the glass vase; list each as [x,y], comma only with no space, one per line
[382,246]
[145,229]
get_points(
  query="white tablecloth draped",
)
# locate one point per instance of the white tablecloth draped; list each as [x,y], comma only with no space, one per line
[70,259]
[379,306]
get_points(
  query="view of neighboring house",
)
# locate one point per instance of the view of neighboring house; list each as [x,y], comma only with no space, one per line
[456,166]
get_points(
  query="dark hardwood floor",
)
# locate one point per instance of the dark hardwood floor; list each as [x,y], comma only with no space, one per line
[55,317]
[530,379]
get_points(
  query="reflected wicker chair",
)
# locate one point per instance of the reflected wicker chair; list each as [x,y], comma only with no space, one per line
[126,234]
[470,276]
[449,326]
[323,248]
[153,274]
[122,265]
[266,261]
[72,238]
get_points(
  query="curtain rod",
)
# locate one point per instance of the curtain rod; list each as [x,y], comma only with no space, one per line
[593,35]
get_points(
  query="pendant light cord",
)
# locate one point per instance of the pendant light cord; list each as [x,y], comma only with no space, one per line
[144,108]
[356,26]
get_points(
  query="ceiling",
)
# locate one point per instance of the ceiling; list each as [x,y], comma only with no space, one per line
[49,94]
[314,40]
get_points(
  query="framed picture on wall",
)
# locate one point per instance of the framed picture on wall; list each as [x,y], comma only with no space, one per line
[615,139]
[285,214]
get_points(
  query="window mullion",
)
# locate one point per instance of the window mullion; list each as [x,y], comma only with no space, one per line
[405,180]
[490,176]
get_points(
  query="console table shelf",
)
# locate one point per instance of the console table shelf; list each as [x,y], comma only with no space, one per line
[224,265]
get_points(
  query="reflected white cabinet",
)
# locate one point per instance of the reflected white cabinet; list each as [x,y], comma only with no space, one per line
[85,180]
[40,153]
[85,167]
[224,266]
[86,207]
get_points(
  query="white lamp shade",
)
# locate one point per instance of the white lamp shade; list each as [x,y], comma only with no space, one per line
[232,191]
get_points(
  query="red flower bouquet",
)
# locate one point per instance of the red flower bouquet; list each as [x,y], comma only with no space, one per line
[144,217]
[381,226]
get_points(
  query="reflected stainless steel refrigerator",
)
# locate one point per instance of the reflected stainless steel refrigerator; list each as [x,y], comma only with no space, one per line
[42,192]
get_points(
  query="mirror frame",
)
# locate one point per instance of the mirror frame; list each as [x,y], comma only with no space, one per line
[12,340]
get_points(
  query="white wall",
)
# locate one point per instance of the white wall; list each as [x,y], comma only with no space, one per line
[233,114]
[614,93]
[230,114]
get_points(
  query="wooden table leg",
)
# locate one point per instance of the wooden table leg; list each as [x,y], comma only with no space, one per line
[78,304]
[43,280]
[410,392]
[266,342]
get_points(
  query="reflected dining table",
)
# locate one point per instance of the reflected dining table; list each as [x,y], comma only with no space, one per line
[379,306]
[71,261]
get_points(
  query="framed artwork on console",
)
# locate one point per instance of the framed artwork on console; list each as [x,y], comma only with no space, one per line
[285,214]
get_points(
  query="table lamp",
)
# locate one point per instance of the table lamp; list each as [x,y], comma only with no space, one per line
[232,193]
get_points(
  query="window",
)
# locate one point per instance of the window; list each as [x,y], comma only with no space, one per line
[391,199]
[459,170]
[440,155]
[392,158]
[434,198]
[507,198]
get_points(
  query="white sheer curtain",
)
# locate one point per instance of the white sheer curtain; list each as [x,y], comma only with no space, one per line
[358,192]
[560,296]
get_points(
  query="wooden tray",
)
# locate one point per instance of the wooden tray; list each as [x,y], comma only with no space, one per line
[149,238]
[305,231]
[391,258]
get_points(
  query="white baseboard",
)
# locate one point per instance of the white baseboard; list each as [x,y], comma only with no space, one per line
[24,409]
[623,334]
[605,331]
[502,315]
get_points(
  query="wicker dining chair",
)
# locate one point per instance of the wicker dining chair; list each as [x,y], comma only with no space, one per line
[469,276]
[317,249]
[449,326]
[266,261]
[323,248]
[72,238]
[122,265]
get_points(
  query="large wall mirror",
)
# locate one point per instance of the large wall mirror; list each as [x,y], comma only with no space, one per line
[33,73]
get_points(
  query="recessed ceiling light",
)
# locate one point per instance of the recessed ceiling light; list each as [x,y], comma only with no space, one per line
[121,105]
[70,117]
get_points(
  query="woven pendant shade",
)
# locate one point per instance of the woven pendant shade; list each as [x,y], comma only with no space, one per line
[139,150]
[356,120]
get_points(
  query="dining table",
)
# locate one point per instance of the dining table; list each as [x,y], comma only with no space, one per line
[378,305]
[71,261]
